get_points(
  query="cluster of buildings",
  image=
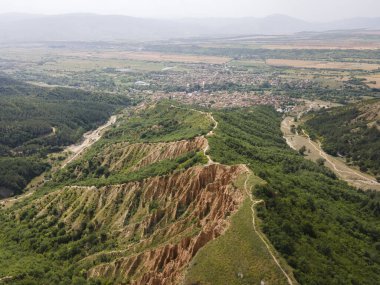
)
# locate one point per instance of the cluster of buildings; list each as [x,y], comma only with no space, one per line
[224,99]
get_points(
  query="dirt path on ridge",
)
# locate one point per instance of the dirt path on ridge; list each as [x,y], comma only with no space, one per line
[261,235]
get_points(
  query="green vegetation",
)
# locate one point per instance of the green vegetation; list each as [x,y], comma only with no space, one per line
[41,249]
[100,176]
[326,230]
[163,123]
[15,172]
[348,131]
[36,121]
[30,113]
[238,256]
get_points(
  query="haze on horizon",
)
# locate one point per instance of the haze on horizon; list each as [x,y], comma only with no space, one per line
[319,11]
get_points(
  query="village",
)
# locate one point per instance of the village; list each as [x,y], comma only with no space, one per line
[218,86]
[223,99]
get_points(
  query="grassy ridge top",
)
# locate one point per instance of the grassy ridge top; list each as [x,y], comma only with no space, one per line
[164,122]
[238,256]
[318,223]
[161,123]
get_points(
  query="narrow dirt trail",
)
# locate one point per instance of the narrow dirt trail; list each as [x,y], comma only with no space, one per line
[89,139]
[261,235]
[354,177]
[254,202]
[209,134]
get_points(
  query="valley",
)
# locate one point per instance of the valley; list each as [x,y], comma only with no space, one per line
[246,159]
[175,215]
[314,151]
[88,139]
[72,152]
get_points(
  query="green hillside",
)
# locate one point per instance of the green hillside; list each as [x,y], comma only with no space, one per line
[326,230]
[36,121]
[351,131]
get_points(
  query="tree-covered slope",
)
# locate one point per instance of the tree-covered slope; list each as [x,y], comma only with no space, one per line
[352,131]
[35,121]
[92,234]
[159,206]
[326,230]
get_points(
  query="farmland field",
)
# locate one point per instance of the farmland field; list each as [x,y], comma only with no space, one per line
[322,64]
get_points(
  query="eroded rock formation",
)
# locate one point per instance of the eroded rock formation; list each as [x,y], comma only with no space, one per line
[159,223]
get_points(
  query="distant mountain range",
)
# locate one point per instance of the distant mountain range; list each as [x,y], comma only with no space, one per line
[91,27]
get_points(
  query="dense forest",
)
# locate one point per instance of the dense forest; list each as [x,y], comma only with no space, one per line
[352,131]
[326,230]
[36,121]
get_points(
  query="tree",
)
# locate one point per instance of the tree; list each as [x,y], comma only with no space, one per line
[302,150]
[321,161]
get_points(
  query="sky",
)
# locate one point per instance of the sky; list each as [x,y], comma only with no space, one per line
[312,10]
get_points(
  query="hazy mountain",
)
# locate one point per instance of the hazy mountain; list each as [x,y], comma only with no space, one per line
[356,23]
[90,27]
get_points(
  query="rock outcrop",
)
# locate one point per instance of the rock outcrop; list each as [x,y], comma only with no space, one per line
[159,223]
[124,155]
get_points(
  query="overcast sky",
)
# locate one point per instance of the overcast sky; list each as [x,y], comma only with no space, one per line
[315,10]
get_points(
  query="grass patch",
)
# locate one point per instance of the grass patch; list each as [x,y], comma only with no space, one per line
[162,123]
[237,257]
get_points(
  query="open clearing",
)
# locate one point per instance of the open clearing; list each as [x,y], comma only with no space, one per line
[322,64]
[373,80]
[323,46]
[314,151]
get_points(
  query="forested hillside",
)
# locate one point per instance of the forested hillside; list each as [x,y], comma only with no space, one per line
[35,121]
[352,131]
[326,230]
[147,178]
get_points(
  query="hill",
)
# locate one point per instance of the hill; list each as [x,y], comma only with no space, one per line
[351,131]
[91,27]
[135,209]
[147,204]
[36,121]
